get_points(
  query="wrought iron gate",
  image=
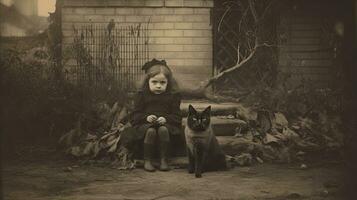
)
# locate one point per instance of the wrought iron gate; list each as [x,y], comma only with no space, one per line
[110,55]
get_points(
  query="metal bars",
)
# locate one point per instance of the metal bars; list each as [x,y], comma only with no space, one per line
[109,54]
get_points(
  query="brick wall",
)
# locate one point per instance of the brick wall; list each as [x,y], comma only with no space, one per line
[180,31]
[303,52]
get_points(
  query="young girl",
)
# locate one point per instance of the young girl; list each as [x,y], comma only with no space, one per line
[156,113]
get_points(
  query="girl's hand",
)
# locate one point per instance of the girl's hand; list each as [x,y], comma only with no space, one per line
[151,118]
[161,120]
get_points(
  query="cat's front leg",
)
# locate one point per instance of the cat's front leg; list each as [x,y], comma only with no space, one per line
[191,162]
[198,161]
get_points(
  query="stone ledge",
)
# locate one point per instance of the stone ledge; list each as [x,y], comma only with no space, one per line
[113,3]
[221,127]
[139,3]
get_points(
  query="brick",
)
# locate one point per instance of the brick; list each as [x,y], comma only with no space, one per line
[161,40]
[185,55]
[125,11]
[201,25]
[117,18]
[154,3]
[183,25]
[174,47]
[94,18]
[314,55]
[197,62]
[202,11]
[105,11]
[183,40]
[205,55]
[173,18]
[132,3]
[173,33]
[184,11]
[144,11]
[190,80]
[72,3]
[198,3]
[72,18]
[163,25]
[190,69]
[156,47]
[201,48]
[197,33]
[156,33]
[173,62]
[192,33]
[196,18]
[84,11]
[303,62]
[306,26]
[202,40]
[171,40]
[305,41]
[302,48]
[137,18]
[168,55]
[174,3]
[307,33]
[164,11]
[206,33]
[157,18]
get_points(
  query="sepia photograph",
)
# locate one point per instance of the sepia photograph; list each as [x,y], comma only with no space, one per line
[178,99]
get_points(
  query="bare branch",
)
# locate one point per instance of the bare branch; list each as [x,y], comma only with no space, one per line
[236,66]
[221,20]
[266,10]
[241,19]
[238,53]
[253,11]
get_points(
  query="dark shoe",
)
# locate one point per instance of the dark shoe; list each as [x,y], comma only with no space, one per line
[148,155]
[164,166]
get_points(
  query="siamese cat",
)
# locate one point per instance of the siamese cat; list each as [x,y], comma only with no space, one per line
[204,152]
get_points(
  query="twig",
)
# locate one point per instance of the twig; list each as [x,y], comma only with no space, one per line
[229,70]
[253,11]
[267,8]
[221,20]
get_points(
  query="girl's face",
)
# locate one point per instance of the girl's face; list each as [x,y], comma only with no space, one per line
[158,83]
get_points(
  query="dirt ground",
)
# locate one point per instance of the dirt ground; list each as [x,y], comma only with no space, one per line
[48,177]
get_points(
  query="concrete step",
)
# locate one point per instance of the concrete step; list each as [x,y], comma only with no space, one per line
[222,126]
[216,108]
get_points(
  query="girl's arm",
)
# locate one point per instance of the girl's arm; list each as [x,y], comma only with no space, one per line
[175,116]
[138,114]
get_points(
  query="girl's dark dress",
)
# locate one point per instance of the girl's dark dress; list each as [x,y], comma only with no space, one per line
[165,105]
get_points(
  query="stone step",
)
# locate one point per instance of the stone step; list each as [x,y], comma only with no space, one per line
[216,108]
[222,126]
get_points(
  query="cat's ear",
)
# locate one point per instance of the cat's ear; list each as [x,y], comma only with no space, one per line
[207,110]
[191,110]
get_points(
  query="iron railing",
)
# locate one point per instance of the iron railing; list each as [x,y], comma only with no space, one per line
[109,54]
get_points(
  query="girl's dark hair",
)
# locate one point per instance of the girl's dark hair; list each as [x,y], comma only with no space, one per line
[154,62]
[153,68]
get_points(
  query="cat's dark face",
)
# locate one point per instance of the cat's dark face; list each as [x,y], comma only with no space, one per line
[198,121]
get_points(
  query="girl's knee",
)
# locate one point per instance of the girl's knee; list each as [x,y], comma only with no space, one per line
[150,136]
[163,133]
